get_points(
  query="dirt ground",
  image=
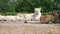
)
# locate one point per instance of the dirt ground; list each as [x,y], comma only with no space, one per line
[9,28]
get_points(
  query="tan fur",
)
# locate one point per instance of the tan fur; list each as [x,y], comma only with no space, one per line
[50,18]
[56,16]
[47,18]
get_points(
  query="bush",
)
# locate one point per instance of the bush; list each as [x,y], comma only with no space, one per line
[27,5]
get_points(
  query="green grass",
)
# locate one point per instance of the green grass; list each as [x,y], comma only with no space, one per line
[12,13]
[15,13]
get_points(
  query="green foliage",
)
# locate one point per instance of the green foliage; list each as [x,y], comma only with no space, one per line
[27,6]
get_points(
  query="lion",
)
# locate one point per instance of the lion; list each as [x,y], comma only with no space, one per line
[50,18]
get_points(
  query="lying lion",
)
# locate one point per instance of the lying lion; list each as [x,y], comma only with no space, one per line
[50,18]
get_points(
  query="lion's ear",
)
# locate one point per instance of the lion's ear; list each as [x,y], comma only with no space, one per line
[54,13]
[40,8]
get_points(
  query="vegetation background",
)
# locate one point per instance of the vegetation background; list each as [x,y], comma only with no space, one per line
[12,7]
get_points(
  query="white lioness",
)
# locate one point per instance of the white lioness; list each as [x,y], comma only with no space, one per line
[37,13]
[32,16]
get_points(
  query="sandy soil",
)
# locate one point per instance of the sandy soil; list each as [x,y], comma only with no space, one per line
[8,28]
